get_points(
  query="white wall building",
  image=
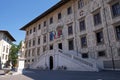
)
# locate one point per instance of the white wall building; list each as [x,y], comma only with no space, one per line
[5,45]
[75,34]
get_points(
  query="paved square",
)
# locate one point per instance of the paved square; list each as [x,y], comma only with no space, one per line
[63,75]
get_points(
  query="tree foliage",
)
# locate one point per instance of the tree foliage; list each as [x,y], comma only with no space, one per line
[13,55]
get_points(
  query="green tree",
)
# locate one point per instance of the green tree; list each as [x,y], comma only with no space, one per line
[13,55]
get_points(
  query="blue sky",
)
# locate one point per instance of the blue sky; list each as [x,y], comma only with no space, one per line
[16,13]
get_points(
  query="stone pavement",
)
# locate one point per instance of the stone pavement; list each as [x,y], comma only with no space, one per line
[63,75]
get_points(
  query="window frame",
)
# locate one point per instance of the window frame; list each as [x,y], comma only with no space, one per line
[84,55]
[30,31]
[51,20]
[45,23]
[114,15]
[44,38]
[70,29]
[83,23]
[38,51]
[102,54]
[51,47]
[34,29]
[69,10]
[116,33]
[81,4]
[59,16]
[39,26]
[82,45]
[102,42]
[71,47]
[34,42]
[95,17]
[38,40]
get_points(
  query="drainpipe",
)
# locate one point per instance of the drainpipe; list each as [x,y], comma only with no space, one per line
[112,56]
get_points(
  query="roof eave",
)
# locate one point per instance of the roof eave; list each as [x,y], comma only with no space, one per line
[56,6]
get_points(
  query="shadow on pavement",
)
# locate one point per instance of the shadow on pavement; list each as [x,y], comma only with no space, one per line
[71,75]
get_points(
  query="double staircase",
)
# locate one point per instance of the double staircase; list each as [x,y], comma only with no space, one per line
[70,61]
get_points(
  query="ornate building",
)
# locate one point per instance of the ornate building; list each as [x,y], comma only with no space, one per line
[75,35]
[5,45]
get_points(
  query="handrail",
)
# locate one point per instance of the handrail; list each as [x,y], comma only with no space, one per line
[38,59]
[77,58]
[83,61]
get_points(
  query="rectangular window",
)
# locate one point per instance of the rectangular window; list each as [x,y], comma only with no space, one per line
[44,38]
[6,57]
[97,19]
[59,16]
[116,9]
[30,31]
[83,42]
[33,42]
[3,48]
[32,60]
[69,10]
[3,56]
[28,60]
[29,43]
[34,29]
[99,37]
[85,55]
[101,54]
[39,26]
[82,25]
[44,23]
[51,20]
[51,47]
[38,40]
[71,44]
[33,52]
[7,50]
[70,30]
[80,4]
[118,32]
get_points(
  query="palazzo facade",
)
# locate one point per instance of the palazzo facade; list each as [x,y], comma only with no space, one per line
[75,35]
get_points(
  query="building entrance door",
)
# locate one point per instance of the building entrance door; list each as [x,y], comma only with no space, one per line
[51,62]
